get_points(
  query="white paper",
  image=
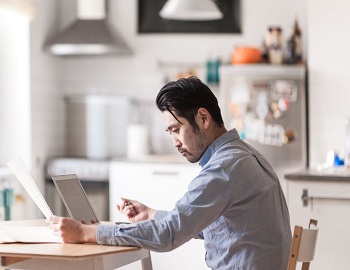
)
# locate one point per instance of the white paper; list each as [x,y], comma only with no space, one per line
[27,231]
[19,169]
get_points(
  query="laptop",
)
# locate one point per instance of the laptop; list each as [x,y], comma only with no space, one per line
[74,198]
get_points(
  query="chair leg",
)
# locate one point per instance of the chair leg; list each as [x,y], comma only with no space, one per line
[293,256]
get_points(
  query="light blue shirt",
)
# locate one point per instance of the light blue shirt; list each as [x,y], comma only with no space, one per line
[235,204]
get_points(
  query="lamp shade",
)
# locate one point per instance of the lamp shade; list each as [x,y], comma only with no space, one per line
[190,10]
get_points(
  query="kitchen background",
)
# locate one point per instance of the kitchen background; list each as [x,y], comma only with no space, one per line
[32,109]
[140,75]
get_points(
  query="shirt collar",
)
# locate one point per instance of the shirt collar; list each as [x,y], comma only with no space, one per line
[215,145]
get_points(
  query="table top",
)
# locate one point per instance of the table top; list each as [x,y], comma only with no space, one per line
[60,251]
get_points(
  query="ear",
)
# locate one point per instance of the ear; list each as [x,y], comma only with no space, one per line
[203,118]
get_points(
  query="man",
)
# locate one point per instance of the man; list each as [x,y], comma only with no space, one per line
[235,204]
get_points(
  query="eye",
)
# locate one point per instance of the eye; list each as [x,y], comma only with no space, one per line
[173,130]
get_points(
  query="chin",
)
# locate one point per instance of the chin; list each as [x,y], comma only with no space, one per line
[192,160]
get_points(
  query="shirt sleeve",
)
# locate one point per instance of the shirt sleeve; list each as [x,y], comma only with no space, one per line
[160,214]
[206,199]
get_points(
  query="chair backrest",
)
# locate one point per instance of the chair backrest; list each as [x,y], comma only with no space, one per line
[303,246]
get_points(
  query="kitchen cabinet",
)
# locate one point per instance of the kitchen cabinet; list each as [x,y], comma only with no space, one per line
[158,185]
[327,199]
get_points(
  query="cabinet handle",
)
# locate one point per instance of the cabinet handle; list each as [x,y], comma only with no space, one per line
[306,198]
[164,173]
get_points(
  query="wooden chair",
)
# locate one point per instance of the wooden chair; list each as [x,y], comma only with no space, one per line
[303,246]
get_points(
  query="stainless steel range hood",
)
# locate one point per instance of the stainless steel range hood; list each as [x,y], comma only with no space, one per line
[90,34]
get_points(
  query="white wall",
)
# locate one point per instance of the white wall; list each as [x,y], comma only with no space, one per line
[46,97]
[329,75]
[140,74]
[15,117]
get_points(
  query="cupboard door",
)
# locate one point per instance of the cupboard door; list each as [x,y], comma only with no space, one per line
[329,203]
[159,186]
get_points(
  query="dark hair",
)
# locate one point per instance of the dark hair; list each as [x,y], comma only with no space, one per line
[185,96]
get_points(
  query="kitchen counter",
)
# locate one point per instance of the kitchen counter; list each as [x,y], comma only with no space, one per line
[323,195]
[336,174]
[176,159]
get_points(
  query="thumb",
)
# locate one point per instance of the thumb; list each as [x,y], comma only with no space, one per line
[124,200]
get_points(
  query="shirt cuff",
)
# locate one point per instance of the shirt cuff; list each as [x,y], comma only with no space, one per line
[105,235]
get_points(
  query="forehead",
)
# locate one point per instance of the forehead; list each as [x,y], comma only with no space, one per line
[170,121]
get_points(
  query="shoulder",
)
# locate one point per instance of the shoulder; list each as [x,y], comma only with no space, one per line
[231,154]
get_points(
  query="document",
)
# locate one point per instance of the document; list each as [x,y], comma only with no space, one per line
[20,170]
[28,231]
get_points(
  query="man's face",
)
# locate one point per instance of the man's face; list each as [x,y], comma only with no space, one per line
[189,142]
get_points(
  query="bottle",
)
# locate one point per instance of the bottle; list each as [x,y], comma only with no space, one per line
[210,70]
[8,198]
[347,145]
[216,68]
[294,46]
[2,208]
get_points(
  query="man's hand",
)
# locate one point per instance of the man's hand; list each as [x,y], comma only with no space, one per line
[135,211]
[72,231]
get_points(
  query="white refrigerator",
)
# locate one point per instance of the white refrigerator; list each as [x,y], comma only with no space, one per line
[267,104]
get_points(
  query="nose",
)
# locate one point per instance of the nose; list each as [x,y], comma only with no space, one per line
[177,142]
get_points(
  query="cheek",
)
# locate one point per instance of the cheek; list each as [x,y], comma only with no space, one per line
[189,140]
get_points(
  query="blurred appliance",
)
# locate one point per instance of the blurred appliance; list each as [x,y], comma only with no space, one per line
[267,104]
[94,177]
[89,34]
[96,125]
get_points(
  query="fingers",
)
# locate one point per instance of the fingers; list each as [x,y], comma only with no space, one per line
[127,208]
[128,203]
[55,227]
[125,201]
[94,221]
[55,222]
[124,204]
[54,219]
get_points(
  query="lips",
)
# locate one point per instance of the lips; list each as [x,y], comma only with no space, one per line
[183,153]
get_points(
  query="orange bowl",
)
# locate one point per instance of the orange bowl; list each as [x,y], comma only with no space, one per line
[246,55]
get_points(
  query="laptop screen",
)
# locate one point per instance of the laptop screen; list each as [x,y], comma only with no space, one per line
[74,198]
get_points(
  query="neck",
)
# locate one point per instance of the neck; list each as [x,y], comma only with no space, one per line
[217,132]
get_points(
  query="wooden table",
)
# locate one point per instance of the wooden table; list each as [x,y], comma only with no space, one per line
[57,256]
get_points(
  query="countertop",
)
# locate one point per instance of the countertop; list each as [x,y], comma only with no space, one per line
[338,174]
